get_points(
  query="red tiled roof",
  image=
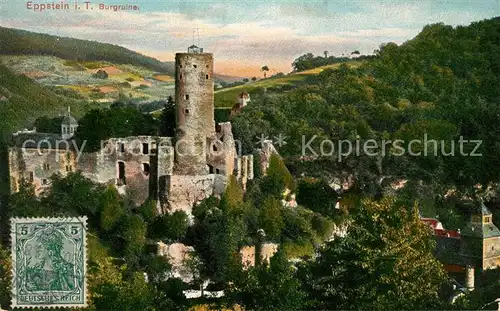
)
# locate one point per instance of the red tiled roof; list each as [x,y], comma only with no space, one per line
[447,233]
[433,223]
[438,228]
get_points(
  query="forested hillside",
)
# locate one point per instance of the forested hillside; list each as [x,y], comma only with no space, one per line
[15,41]
[22,100]
[444,83]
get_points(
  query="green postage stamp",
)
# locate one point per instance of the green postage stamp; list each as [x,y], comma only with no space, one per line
[49,257]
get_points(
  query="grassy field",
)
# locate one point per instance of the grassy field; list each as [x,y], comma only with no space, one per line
[79,77]
[227,97]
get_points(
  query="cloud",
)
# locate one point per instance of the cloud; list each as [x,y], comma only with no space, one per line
[250,33]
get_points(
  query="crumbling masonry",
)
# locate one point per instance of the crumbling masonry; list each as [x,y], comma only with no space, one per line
[177,171]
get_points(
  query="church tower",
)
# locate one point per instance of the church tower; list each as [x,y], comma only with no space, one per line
[481,240]
[194,101]
[68,125]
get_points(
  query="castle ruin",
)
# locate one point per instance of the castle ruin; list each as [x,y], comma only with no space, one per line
[176,172]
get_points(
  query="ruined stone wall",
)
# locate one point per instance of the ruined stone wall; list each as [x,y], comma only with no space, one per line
[265,155]
[244,172]
[491,253]
[136,154]
[243,169]
[248,254]
[164,169]
[177,254]
[222,150]
[98,168]
[194,98]
[184,190]
[268,251]
[38,166]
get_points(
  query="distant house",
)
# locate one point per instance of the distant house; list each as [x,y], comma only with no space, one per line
[242,100]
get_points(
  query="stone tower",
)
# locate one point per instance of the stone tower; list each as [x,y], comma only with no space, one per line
[481,240]
[194,99]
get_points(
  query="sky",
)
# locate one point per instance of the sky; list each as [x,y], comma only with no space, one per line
[245,35]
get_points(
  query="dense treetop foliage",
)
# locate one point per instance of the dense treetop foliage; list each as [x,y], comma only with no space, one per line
[385,262]
[122,121]
[22,100]
[443,85]
[309,61]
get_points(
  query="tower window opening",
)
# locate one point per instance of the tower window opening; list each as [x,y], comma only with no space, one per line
[206,77]
[195,66]
[32,176]
[210,169]
[121,147]
[217,171]
[187,96]
[214,147]
[206,66]
[186,111]
[121,171]
[180,66]
[44,181]
[145,168]
[145,148]
[180,75]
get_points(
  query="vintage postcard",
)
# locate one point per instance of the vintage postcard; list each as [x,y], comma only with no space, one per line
[250,154]
[49,262]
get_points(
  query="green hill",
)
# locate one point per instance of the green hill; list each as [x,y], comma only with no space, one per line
[442,85]
[22,100]
[21,42]
[140,84]
[227,97]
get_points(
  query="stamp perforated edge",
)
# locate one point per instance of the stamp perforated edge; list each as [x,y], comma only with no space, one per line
[17,220]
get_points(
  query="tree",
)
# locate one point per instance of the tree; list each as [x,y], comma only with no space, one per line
[233,196]
[168,119]
[277,178]
[45,124]
[482,297]
[384,262]
[254,79]
[271,219]
[100,74]
[122,121]
[269,287]
[111,208]
[111,290]
[5,277]
[325,53]
[134,236]
[318,196]
[265,69]
[171,227]
[217,234]
[74,195]
[245,80]
[24,202]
